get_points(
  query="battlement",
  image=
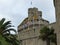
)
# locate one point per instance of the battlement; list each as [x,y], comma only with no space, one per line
[33,9]
[34,12]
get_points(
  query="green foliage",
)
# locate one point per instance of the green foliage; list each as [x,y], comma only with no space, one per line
[5,29]
[5,26]
[47,33]
[3,41]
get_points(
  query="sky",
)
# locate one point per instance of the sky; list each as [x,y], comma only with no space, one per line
[17,10]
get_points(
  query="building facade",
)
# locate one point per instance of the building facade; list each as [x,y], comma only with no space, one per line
[28,30]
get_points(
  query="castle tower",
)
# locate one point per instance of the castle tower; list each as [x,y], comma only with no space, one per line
[29,29]
[57,10]
[34,13]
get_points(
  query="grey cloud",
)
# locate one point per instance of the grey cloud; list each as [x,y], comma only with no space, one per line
[17,10]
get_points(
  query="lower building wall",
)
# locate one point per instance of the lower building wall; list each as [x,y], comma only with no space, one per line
[33,41]
[29,37]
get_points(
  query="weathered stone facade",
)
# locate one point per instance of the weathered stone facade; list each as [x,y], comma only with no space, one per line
[28,30]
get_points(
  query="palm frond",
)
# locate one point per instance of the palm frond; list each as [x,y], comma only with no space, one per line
[6,23]
[47,33]
[8,30]
[5,29]
[2,21]
[9,26]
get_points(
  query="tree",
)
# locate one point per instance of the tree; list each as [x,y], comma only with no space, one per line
[5,29]
[48,35]
[3,41]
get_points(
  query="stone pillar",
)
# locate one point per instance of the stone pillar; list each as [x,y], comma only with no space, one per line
[57,10]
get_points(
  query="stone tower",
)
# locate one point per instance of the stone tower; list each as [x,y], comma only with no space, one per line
[29,29]
[34,13]
[57,10]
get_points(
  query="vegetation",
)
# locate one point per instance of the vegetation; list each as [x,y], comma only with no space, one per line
[3,41]
[5,32]
[48,35]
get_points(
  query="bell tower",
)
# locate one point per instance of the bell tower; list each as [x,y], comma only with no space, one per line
[57,12]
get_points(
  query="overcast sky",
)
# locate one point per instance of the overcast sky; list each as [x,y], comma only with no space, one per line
[16,10]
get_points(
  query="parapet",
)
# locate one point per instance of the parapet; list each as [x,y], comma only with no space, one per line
[33,9]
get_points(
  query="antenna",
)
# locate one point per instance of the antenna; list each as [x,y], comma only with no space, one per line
[31,3]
